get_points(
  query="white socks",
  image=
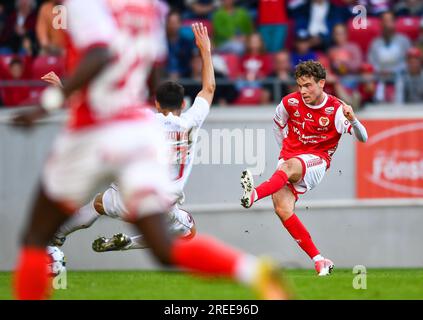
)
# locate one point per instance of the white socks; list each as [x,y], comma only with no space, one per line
[82,219]
[317,258]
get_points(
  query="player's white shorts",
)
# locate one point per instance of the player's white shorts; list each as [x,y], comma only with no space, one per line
[132,153]
[180,221]
[314,169]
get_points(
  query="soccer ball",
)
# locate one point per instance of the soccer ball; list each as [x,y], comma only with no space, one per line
[57,263]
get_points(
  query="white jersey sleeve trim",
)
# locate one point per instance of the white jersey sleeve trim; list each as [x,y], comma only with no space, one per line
[197,114]
[341,123]
[279,123]
[281,115]
[90,23]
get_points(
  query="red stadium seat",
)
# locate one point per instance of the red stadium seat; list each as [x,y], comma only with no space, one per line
[233,64]
[249,96]
[364,37]
[45,64]
[410,26]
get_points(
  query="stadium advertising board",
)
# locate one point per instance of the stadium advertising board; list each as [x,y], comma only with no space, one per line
[390,164]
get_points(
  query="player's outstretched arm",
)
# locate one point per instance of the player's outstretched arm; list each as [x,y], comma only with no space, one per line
[359,130]
[53,98]
[208,80]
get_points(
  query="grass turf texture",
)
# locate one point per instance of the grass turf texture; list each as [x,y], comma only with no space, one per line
[381,284]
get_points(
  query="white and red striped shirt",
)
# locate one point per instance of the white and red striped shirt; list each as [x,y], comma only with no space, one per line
[134,32]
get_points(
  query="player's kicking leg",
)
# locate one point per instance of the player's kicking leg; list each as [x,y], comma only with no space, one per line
[288,171]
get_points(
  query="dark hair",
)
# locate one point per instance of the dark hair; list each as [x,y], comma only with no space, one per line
[15,60]
[310,68]
[170,95]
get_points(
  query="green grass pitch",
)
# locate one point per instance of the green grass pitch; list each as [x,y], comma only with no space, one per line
[381,284]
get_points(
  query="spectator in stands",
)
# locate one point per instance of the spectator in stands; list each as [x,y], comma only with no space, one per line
[303,51]
[225,93]
[19,25]
[281,81]
[177,5]
[345,56]
[255,64]
[273,24]
[409,8]
[333,85]
[15,96]
[387,54]
[50,39]
[180,48]
[231,25]
[410,88]
[376,7]
[2,17]
[367,87]
[318,17]
[200,9]
[419,41]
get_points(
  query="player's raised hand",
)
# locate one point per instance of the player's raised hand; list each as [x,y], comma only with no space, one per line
[201,37]
[53,79]
[348,111]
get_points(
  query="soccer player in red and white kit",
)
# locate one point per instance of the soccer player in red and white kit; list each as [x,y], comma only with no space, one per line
[112,137]
[307,125]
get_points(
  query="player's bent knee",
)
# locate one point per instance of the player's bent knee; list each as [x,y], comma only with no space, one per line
[98,204]
[283,213]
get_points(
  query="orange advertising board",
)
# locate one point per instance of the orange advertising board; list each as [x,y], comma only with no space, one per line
[390,164]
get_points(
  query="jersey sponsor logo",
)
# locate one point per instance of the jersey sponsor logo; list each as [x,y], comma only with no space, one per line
[309,117]
[329,110]
[297,114]
[322,129]
[314,162]
[293,102]
[297,122]
[324,121]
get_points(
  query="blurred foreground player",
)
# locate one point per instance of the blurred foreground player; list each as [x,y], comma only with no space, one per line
[307,125]
[110,137]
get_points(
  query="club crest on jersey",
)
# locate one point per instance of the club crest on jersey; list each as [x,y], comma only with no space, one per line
[296,113]
[293,102]
[324,121]
[329,110]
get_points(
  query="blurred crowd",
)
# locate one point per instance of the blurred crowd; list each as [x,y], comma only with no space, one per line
[372,49]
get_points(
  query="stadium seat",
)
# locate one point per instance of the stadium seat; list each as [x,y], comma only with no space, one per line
[410,26]
[364,37]
[45,64]
[233,64]
[249,96]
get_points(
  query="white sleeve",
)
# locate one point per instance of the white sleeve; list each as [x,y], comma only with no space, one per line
[359,130]
[341,123]
[90,23]
[279,123]
[196,115]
